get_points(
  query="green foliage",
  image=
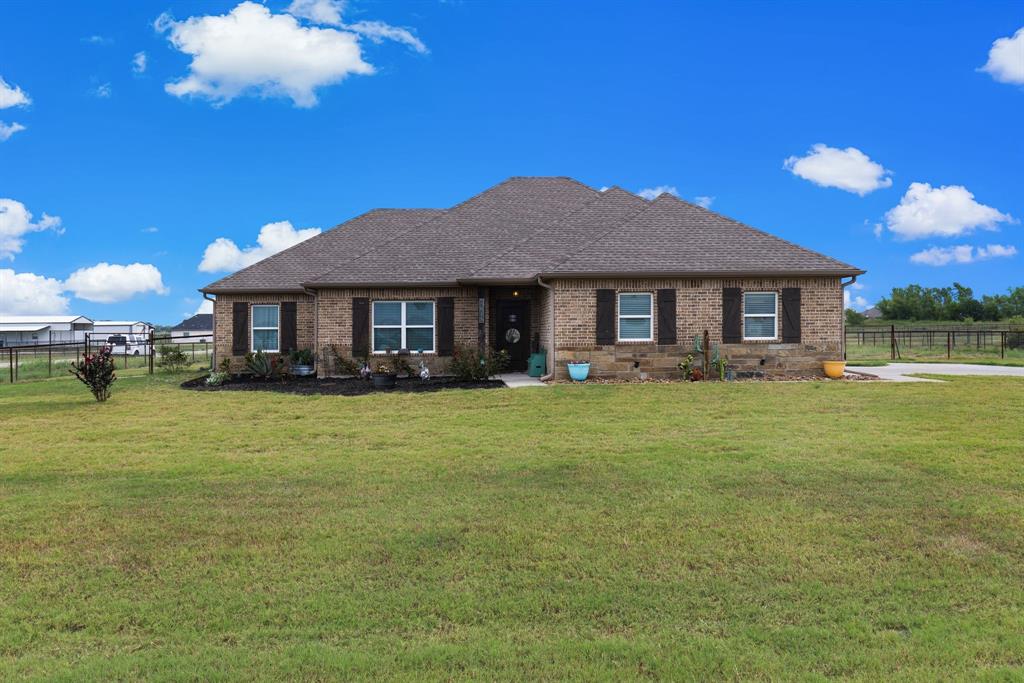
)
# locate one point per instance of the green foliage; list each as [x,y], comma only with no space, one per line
[855,319]
[402,366]
[225,365]
[96,371]
[262,365]
[215,379]
[172,358]
[686,364]
[915,302]
[468,364]
[301,357]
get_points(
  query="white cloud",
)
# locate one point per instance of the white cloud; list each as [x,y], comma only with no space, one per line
[877,230]
[963,253]
[16,222]
[329,12]
[1006,59]
[318,11]
[857,303]
[847,169]
[704,201]
[947,211]
[108,282]
[97,40]
[139,62]
[251,50]
[205,307]
[102,91]
[12,96]
[6,131]
[378,31]
[223,254]
[650,193]
[30,294]
[151,229]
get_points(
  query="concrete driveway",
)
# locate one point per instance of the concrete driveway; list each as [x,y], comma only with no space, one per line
[897,372]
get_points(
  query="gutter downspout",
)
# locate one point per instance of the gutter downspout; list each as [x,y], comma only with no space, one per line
[551,311]
[844,285]
[213,356]
[316,327]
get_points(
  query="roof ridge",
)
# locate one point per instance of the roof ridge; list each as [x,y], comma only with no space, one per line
[643,209]
[757,230]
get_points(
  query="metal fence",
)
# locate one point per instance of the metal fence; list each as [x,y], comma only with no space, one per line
[42,360]
[951,342]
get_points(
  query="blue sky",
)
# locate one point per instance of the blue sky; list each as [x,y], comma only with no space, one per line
[424,104]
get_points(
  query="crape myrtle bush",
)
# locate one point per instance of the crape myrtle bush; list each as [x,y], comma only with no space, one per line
[96,371]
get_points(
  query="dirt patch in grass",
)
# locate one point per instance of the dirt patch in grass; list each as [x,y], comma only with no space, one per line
[337,386]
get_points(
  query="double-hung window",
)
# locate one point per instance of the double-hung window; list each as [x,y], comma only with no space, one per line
[403,325]
[265,328]
[760,315]
[636,316]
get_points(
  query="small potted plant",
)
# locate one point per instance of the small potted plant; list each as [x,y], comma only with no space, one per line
[301,362]
[578,369]
[384,376]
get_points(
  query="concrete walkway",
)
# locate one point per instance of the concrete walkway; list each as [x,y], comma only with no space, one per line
[519,380]
[897,372]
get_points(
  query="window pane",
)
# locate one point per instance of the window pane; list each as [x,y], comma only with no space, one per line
[419,313]
[264,316]
[634,328]
[419,338]
[387,338]
[759,327]
[264,340]
[634,304]
[387,313]
[763,302]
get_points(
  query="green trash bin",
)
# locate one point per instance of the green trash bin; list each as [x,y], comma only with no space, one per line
[538,364]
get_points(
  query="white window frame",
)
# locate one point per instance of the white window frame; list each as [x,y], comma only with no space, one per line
[619,316]
[403,326]
[253,328]
[774,315]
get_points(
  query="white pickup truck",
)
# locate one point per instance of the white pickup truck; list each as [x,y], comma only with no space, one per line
[128,344]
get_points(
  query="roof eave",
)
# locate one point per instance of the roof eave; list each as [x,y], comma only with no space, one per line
[382,284]
[634,274]
[253,290]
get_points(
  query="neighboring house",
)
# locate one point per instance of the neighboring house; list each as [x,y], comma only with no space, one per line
[198,328]
[105,328]
[542,263]
[873,313]
[17,330]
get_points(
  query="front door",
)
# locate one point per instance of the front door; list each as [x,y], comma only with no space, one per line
[513,333]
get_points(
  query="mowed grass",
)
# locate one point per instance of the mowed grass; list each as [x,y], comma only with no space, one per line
[685,531]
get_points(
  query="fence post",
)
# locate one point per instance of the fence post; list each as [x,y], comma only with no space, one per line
[49,360]
[152,349]
[1002,345]
[949,344]
[892,342]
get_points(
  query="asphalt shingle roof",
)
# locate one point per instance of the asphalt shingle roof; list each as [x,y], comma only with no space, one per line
[200,322]
[525,227]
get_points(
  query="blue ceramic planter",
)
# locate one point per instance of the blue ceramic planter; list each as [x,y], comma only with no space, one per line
[578,371]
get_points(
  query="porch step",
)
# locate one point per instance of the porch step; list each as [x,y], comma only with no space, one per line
[519,380]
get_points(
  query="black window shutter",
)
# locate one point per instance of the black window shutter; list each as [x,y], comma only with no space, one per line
[732,326]
[666,316]
[360,327]
[289,325]
[239,328]
[791,315]
[605,316]
[445,326]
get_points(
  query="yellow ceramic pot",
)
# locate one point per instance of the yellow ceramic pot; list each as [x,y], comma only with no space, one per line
[834,368]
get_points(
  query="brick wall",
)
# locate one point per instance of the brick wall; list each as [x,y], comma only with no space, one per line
[224,322]
[699,308]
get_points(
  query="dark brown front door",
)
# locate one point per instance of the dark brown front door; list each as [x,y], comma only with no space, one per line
[513,333]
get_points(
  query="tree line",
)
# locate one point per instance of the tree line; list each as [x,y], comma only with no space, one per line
[915,302]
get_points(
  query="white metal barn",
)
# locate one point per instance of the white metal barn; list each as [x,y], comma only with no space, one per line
[19,330]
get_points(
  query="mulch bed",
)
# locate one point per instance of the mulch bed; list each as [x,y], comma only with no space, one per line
[337,386]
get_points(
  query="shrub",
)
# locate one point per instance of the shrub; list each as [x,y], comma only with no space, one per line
[225,366]
[172,358]
[262,365]
[344,365]
[96,371]
[855,318]
[468,364]
[301,357]
[217,378]
[402,366]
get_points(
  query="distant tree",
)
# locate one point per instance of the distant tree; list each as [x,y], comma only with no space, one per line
[853,318]
[915,302]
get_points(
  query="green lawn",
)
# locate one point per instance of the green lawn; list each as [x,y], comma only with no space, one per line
[683,531]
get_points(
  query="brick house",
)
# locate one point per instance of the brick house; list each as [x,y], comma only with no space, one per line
[542,263]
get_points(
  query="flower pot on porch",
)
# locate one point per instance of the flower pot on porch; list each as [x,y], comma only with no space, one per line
[578,371]
[834,368]
[384,380]
[301,370]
